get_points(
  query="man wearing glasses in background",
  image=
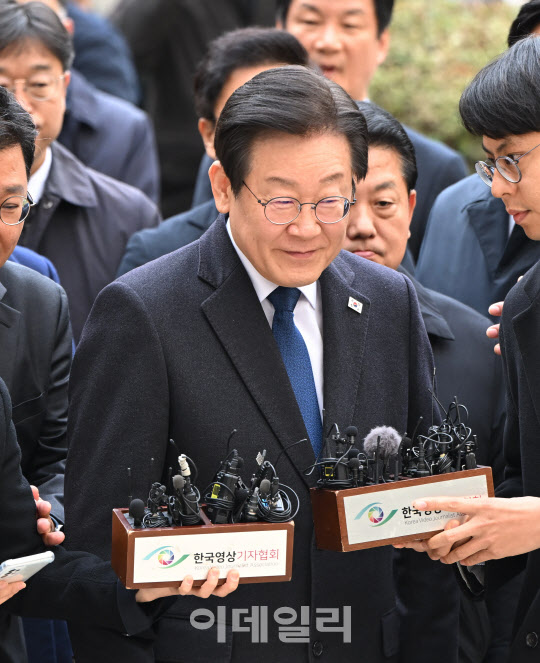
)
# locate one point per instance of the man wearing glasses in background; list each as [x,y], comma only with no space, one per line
[502,105]
[82,219]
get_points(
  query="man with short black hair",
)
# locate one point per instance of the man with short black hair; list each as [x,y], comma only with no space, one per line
[526,23]
[502,105]
[82,219]
[251,327]
[232,59]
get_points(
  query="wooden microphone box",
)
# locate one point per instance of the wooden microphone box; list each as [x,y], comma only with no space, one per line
[379,515]
[163,556]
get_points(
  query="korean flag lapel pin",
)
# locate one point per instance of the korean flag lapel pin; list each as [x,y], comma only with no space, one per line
[355,305]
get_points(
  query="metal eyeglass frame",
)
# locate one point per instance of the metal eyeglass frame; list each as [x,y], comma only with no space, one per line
[349,203]
[480,165]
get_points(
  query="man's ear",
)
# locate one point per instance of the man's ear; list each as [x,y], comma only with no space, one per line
[207,130]
[221,187]
[67,79]
[69,24]
[383,46]
[412,205]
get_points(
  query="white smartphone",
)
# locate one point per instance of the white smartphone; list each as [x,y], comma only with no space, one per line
[22,568]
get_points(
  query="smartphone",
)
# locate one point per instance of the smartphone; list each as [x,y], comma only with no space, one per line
[22,568]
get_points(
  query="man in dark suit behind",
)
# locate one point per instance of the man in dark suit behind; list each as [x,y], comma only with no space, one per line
[193,345]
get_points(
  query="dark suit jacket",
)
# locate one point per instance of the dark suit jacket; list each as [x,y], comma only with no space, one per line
[35,360]
[184,345]
[520,331]
[438,168]
[467,368]
[110,135]
[82,223]
[172,234]
[102,55]
[466,253]
[76,586]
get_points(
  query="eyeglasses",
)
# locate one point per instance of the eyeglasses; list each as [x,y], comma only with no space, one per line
[40,86]
[15,209]
[281,210]
[506,166]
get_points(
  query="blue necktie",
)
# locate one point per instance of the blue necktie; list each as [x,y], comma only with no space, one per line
[296,359]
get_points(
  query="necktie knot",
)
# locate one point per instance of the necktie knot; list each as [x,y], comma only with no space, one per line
[284,299]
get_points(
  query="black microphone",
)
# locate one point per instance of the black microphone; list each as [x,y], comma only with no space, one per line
[351,433]
[137,511]
[354,465]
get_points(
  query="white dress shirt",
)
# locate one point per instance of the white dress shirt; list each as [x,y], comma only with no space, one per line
[307,315]
[37,181]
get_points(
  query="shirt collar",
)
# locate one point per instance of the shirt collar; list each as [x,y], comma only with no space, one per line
[264,287]
[37,181]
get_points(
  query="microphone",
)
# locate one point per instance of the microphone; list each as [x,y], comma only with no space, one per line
[357,471]
[351,433]
[137,511]
[178,483]
[223,496]
[381,443]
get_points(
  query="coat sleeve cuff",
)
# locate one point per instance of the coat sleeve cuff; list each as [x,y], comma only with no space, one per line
[138,617]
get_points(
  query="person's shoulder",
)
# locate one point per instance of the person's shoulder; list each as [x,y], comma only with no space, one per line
[469,190]
[111,111]
[424,145]
[457,313]
[525,292]
[165,272]
[25,256]
[370,276]
[120,195]
[26,284]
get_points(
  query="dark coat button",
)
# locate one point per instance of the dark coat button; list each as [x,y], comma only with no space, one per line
[318,648]
[531,640]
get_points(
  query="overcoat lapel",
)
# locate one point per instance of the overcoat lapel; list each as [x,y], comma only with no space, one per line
[527,329]
[489,220]
[9,326]
[237,318]
[344,331]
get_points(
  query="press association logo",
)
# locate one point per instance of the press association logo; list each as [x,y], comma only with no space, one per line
[166,557]
[375,514]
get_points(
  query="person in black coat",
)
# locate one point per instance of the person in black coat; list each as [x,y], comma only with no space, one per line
[231,60]
[185,344]
[82,219]
[502,105]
